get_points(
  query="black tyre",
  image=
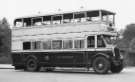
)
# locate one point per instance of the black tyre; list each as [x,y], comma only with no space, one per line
[101,65]
[116,69]
[32,65]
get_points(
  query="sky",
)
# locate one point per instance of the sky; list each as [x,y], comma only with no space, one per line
[124,9]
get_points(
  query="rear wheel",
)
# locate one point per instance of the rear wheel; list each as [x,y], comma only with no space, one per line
[101,65]
[116,69]
[32,65]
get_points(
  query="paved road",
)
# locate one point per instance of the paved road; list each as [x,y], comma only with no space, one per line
[68,75]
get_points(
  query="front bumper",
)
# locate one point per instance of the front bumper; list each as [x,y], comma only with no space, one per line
[117,62]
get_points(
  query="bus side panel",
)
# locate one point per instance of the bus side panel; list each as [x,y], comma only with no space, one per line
[88,59]
[17,59]
[54,59]
[66,59]
[43,58]
[60,59]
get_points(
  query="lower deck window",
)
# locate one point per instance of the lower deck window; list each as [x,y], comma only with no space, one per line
[57,44]
[47,45]
[67,44]
[36,45]
[26,45]
[79,43]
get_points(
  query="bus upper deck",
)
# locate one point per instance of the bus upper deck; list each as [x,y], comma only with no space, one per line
[78,17]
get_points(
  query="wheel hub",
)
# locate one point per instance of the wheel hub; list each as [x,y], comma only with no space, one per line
[100,65]
[31,64]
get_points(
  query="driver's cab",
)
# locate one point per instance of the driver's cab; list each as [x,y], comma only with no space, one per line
[100,45]
[101,41]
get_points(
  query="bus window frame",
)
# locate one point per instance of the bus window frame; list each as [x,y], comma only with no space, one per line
[60,21]
[104,43]
[79,39]
[46,41]
[24,45]
[34,23]
[55,48]
[94,41]
[72,42]
[21,21]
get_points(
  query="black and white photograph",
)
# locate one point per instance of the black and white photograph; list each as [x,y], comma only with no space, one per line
[67,41]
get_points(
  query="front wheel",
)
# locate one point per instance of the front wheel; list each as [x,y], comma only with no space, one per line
[116,69]
[101,65]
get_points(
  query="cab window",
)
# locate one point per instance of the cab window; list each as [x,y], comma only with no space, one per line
[91,42]
[100,42]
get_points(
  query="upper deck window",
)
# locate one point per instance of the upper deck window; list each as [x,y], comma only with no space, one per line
[57,19]
[18,23]
[46,20]
[93,16]
[37,21]
[67,18]
[27,22]
[82,16]
[79,17]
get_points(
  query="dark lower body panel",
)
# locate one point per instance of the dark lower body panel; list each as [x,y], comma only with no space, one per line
[53,59]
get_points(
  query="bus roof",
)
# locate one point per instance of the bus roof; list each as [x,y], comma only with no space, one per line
[91,12]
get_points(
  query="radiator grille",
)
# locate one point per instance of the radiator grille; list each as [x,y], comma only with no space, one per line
[117,53]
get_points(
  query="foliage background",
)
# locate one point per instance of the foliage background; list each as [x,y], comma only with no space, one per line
[127,44]
[5,41]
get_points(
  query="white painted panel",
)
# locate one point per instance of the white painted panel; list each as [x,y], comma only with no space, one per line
[58,29]
[60,36]
[17,45]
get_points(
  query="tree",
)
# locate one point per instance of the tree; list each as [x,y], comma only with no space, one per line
[5,37]
[128,41]
[132,45]
[129,33]
[4,23]
[5,41]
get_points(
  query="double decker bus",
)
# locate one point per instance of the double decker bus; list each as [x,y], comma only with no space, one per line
[67,39]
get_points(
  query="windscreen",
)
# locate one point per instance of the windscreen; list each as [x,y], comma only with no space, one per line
[110,39]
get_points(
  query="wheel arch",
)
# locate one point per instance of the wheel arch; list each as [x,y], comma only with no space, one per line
[100,54]
[31,56]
